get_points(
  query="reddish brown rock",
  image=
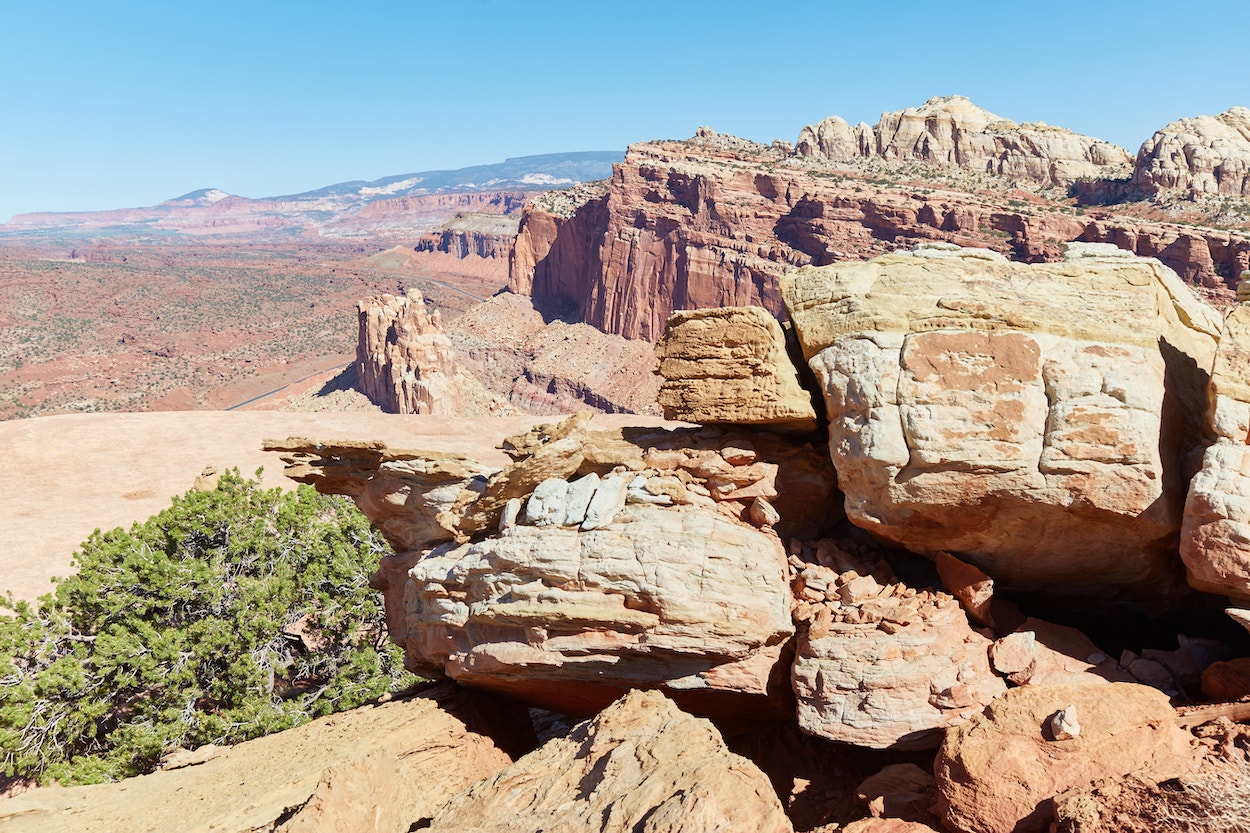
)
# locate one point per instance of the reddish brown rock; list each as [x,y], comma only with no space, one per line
[973,588]
[999,772]
[406,364]
[641,766]
[1227,681]
[1043,653]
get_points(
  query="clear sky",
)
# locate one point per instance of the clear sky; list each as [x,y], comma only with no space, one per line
[106,105]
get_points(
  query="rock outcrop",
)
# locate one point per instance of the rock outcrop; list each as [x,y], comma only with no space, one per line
[407,365]
[1215,538]
[477,235]
[715,221]
[377,768]
[973,401]
[730,365]
[1198,156]
[641,766]
[951,130]
[998,772]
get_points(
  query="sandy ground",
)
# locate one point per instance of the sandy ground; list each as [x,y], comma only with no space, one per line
[71,474]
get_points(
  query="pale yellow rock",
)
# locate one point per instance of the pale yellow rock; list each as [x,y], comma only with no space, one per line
[641,766]
[973,402]
[1202,155]
[1215,536]
[951,130]
[375,769]
[730,365]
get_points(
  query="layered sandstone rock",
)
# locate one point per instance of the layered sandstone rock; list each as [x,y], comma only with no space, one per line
[998,772]
[882,665]
[378,768]
[973,401]
[407,365]
[641,766]
[597,562]
[1215,537]
[1202,155]
[951,130]
[730,366]
[477,235]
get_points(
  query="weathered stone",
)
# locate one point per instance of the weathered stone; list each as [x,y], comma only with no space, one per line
[1042,653]
[973,588]
[511,514]
[900,791]
[763,513]
[548,504]
[641,766]
[729,365]
[581,492]
[1215,537]
[1227,681]
[377,768]
[683,599]
[608,499]
[1203,155]
[896,688]
[973,401]
[998,772]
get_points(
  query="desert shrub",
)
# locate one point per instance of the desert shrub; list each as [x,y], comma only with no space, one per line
[236,612]
[1216,800]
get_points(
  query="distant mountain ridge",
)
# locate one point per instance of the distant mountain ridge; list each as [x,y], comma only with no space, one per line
[422,200]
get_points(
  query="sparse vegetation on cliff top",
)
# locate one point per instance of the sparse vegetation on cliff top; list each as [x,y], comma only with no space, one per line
[236,612]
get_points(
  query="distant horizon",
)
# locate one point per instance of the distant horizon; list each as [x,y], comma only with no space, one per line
[122,107]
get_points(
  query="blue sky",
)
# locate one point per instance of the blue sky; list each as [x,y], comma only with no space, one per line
[119,104]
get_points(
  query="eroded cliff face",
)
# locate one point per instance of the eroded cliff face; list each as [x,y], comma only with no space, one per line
[1202,155]
[715,221]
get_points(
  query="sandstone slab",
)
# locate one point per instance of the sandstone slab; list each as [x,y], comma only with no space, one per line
[973,402]
[641,766]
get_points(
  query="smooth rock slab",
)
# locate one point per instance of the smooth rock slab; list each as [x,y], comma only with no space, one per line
[683,599]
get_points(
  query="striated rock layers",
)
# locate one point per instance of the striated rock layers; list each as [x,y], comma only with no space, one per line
[715,221]
[1203,155]
[641,766]
[730,365]
[478,235]
[973,402]
[951,130]
[598,562]
[407,365]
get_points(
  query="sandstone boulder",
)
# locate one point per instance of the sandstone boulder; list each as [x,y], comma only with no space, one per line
[641,766]
[882,665]
[1202,155]
[973,402]
[376,768]
[999,772]
[681,598]
[730,365]
[1215,536]
[1043,653]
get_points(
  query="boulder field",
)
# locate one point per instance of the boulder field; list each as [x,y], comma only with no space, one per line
[826,608]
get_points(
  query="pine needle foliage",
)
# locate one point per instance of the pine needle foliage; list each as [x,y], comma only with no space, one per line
[234,613]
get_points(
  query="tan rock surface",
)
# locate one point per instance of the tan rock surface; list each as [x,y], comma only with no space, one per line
[730,365]
[1043,653]
[998,772]
[680,598]
[880,664]
[1215,536]
[641,766]
[951,130]
[376,768]
[1202,155]
[974,401]
[137,462]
